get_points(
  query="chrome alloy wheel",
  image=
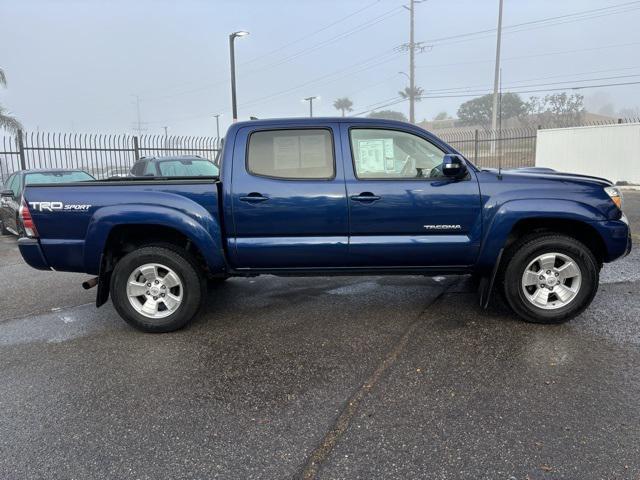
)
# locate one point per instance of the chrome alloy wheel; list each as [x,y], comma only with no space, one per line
[155,290]
[551,281]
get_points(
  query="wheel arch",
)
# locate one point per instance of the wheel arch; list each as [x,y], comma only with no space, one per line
[516,218]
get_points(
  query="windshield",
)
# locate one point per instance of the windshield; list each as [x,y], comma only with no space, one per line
[56,177]
[187,168]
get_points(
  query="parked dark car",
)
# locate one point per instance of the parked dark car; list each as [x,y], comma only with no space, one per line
[178,166]
[11,194]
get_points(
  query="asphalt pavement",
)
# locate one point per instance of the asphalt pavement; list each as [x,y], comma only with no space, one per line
[330,378]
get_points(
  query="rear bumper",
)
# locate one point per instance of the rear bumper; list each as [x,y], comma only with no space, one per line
[32,253]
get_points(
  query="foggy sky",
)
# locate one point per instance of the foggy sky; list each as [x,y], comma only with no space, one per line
[76,65]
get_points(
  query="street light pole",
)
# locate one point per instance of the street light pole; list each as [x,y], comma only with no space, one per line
[217,116]
[310,100]
[412,67]
[232,54]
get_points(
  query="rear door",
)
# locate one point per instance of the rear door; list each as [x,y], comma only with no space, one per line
[288,197]
[403,212]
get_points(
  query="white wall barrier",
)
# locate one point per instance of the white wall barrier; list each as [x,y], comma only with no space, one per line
[609,151]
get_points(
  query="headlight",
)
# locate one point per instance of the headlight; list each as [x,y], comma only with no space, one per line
[616,196]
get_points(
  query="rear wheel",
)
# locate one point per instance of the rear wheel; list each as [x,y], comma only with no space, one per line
[157,288]
[550,278]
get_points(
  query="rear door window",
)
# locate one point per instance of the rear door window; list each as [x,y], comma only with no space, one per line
[304,154]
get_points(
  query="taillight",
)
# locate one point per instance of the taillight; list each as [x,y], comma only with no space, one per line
[27,222]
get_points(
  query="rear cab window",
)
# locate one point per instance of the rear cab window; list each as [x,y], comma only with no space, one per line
[292,154]
[185,168]
[56,177]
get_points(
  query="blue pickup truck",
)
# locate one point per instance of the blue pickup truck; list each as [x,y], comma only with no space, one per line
[330,196]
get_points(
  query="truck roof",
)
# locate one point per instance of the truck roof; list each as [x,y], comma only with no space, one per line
[311,121]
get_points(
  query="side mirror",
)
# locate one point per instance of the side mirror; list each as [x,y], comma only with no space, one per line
[6,194]
[453,166]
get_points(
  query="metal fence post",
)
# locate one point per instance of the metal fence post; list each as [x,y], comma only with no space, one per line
[136,150]
[475,147]
[535,143]
[20,142]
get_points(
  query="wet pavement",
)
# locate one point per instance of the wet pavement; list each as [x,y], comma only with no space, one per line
[332,378]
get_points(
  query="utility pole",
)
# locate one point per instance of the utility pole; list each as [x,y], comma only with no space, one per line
[496,77]
[310,100]
[138,127]
[166,137]
[412,46]
[412,65]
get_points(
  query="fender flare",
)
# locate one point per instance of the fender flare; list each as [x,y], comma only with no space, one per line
[197,225]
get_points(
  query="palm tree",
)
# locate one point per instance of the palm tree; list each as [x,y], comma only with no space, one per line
[414,95]
[7,122]
[343,104]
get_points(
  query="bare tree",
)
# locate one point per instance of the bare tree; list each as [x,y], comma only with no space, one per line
[555,110]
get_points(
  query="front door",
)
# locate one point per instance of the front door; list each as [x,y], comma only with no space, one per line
[403,211]
[288,199]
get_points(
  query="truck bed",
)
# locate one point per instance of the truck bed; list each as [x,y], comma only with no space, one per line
[73,220]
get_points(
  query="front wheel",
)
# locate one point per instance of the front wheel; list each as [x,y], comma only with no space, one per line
[550,278]
[157,288]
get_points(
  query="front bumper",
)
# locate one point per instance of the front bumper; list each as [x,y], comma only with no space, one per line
[617,238]
[32,253]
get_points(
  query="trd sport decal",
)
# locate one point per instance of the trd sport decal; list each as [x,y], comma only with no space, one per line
[58,206]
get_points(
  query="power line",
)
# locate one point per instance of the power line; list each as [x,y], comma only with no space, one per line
[356,29]
[537,55]
[575,87]
[362,66]
[481,90]
[382,106]
[542,20]
[483,86]
[326,27]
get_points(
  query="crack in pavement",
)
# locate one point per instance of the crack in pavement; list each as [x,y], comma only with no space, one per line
[340,426]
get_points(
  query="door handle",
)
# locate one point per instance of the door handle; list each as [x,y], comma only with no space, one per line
[254,197]
[366,197]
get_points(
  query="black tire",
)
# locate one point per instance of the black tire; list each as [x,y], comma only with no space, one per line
[182,263]
[519,256]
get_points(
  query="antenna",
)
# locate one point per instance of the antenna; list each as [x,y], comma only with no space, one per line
[500,129]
